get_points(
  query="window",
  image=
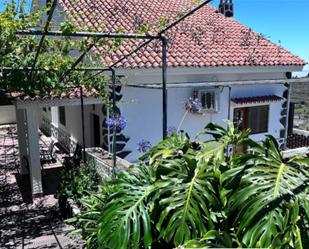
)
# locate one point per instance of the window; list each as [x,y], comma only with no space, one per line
[61,112]
[255,118]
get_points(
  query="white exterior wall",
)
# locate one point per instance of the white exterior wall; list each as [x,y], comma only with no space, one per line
[143,107]
[73,124]
[7,114]
[73,121]
[143,110]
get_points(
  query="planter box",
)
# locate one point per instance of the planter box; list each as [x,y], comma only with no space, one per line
[104,161]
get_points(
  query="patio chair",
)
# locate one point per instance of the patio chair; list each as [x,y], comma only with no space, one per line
[48,153]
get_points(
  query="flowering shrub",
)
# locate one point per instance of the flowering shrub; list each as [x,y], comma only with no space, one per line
[117,120]
[193,105]
[143,146]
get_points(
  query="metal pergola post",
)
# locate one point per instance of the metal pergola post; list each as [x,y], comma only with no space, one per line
[164,86]
[114,128]
[83,122]
[288,100]
[114,137]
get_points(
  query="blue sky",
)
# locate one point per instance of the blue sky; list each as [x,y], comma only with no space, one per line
[284,20]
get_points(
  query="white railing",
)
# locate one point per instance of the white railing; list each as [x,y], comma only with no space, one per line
[60,135]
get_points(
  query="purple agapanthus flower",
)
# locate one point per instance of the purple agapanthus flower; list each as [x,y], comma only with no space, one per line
[193,105]
[122,122]
[171,129]
[109,122]
[117,120]
[143,146]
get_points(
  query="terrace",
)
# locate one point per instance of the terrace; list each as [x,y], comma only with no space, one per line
[19,216]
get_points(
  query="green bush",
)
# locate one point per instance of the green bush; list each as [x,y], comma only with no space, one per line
[199,195]
[78,182]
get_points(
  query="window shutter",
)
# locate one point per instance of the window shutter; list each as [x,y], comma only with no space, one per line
[258,119]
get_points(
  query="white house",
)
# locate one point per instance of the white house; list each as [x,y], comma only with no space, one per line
[236,73]
[210,54]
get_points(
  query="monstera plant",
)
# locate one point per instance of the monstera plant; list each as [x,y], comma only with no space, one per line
[195,194]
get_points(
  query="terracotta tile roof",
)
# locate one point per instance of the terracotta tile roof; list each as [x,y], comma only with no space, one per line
[205,39]
[70,94]
[256,99]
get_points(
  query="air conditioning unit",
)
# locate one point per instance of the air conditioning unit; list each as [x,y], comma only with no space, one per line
[209,99]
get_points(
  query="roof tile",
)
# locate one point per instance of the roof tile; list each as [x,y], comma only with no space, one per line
[256,99]
[206,38]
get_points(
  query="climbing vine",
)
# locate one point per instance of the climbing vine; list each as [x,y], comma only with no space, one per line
[17,57]
[18,53]
[22,72]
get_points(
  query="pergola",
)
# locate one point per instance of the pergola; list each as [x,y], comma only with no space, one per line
[27,111]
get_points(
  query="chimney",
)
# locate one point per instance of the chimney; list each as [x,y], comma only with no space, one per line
[226,8]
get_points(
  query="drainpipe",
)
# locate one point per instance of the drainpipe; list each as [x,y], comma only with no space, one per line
[229,106]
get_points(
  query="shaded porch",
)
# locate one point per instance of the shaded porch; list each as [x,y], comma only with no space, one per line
[28,119]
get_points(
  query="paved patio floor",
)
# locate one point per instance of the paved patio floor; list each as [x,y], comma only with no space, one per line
[24,224]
